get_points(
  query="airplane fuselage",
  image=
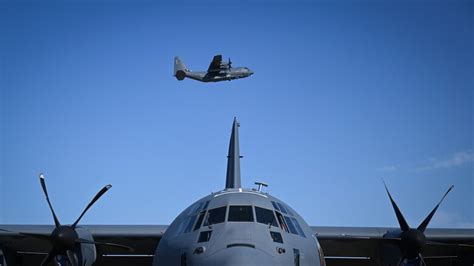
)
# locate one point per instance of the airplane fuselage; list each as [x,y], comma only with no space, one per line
[223,75]
[238,227]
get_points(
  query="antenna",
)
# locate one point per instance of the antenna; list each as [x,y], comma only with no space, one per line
[260,185]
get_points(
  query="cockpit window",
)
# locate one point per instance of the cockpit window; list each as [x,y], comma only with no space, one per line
[204,236]
[199,221]
[204,206]
[240,214]
[185,225]
[190,223]
[197,207]
[276,237]
[294,226]
[275,205]
[265,216]
[291,226]
[288,210]
[298,227]
[215,216]
[282,208]
[282,222]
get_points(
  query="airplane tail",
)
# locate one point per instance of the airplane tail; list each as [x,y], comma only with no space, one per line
[180,69]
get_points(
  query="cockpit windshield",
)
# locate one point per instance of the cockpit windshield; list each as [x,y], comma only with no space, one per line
[245,213]
[215,216]
[240,214]
[265,216]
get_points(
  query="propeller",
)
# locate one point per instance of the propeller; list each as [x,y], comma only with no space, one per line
[64,238]
[230,63]
[413,241]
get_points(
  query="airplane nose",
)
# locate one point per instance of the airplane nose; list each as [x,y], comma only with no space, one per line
[250,72]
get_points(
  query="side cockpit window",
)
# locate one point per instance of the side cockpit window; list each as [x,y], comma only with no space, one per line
[282,208]
[199,221]
[265,216]
[275,205]
[291,226]
[204,236]
[298,227]
[215,216]
[240,214]
[276,237]
[287,222]
[197,207]
[186,223]
[282,222]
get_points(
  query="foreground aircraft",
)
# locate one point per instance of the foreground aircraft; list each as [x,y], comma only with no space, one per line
[235,226]
[217,71]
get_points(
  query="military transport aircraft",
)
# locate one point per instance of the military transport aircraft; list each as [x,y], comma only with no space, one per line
[217,71]
[234,226]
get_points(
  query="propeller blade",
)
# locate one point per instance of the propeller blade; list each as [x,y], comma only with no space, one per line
[422,260]
[43,185]
[72,258]
[435,243]
[33,235]
[49,258]
[85,241]
[101,192]
[424,224]
[401,220]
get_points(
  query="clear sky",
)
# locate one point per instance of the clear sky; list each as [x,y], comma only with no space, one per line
[344,94]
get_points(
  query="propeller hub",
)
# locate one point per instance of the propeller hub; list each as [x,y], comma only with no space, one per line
[64,238]
[412,243]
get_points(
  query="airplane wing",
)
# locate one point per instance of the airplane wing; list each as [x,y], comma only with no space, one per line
[142,238]
[348,246]
[351,246]
[215,65]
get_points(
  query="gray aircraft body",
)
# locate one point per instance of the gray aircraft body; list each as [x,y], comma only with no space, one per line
[217,71]
[237,226]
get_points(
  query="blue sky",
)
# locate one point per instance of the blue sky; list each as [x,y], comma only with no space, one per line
[344,94]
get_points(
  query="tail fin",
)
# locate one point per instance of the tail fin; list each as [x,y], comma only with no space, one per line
[233,158]
[180,69]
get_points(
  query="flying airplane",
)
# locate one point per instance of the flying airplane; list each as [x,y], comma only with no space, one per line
[234,226]
[217,71]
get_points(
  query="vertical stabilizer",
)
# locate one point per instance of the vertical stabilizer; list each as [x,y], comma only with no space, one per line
[233,159]
[180,69]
